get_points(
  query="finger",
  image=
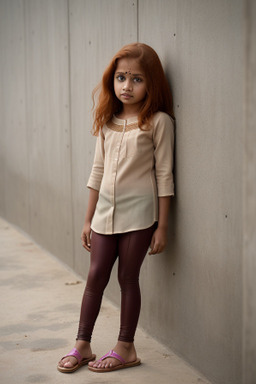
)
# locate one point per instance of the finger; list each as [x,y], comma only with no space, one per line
[87,248]
[158,249]
[84,242]
[88,239]
[83,237]
[155,249]
[152,244]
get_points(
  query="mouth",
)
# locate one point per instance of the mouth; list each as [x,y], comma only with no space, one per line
[126,95]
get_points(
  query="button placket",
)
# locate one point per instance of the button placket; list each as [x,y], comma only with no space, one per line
[116,159]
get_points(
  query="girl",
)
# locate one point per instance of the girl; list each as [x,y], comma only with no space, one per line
[130,187]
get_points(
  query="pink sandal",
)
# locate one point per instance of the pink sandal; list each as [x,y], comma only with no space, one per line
[122,364]
[80,361]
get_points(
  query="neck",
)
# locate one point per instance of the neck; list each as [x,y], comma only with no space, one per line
[129,111]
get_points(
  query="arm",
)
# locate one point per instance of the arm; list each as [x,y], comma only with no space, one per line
[159,239]
[94,186]
[86,231]
[163,137]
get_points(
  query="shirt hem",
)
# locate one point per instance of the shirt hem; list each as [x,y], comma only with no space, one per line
[126,231]
[96,188]
[166,194]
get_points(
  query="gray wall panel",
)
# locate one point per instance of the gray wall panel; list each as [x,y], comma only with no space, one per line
[53,53]
[96,33]
[249,217]
[201,46]
[48,107]
[14,148]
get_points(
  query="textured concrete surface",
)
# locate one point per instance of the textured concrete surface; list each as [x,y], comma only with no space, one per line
[249,212]
[53,53]
[40,303]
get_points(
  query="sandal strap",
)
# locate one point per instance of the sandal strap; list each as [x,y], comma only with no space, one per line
[112,353]
[74,352]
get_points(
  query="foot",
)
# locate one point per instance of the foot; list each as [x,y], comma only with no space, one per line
[125,350]
[83,347]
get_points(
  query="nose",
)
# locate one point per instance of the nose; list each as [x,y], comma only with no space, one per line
[127,85]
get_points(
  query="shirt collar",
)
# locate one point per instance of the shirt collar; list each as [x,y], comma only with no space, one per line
[118,121]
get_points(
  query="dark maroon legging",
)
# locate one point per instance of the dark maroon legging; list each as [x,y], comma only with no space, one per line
[130,248]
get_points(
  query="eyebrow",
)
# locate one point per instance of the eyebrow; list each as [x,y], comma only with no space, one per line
[133,74]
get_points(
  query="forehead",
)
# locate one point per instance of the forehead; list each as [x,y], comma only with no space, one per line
[129,65]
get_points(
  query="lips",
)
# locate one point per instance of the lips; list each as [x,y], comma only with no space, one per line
[126,95]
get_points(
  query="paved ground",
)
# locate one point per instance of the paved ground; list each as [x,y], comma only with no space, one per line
[40,304]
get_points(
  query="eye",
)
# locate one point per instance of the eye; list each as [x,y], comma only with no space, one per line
[137,80]
[120,77]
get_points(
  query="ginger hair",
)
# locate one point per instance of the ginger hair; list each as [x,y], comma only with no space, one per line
[158,96]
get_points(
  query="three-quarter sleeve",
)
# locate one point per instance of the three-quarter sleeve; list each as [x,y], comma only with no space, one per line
[96,175]
[163,138]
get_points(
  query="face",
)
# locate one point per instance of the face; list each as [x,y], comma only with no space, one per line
[130,83]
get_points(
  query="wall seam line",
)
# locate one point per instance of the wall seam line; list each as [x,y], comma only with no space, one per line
[70,138]
[138,37]
[26,98]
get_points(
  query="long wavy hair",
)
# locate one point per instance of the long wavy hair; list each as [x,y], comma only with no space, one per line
[158,94]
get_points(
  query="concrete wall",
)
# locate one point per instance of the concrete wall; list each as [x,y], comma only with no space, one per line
[249,201]
[53,53]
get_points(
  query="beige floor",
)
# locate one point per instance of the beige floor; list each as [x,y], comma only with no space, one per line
[40,303]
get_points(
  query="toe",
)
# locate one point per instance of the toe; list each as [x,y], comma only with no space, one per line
[68,364]
[61,363]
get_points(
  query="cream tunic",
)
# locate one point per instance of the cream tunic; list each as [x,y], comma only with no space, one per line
[131,169]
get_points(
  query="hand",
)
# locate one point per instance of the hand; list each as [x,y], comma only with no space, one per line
[86,236]
[159,241]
